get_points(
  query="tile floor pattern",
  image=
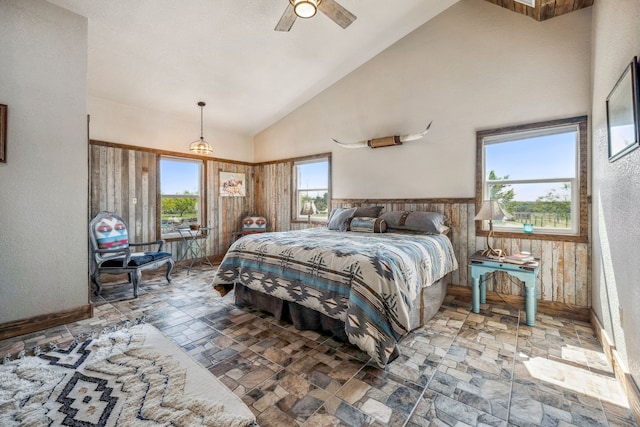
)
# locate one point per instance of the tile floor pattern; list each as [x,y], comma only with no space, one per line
[462,369]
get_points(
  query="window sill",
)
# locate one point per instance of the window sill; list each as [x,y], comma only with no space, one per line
[534,236]
[314,222]
[173,238]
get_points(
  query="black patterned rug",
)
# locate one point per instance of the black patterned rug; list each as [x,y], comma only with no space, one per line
[124,377]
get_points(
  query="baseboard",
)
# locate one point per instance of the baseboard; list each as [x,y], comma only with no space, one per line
[45,321]
[633,395]
[607,344]
[568,311]
[626,380]
[215,259]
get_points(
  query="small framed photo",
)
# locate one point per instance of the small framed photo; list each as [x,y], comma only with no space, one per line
[3,133]
[232,184]
[622,113]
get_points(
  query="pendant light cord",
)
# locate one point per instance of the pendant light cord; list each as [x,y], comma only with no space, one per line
[201,121]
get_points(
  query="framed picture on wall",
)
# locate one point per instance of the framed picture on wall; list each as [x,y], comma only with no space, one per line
[3,133]
[232,184]
[622,113]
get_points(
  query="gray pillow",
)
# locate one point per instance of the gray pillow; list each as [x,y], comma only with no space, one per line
[369,211]
[338,218]
[426,222]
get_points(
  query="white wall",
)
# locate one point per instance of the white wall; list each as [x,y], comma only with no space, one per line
[43,191]
[616,187]
[126,124]
[475,66]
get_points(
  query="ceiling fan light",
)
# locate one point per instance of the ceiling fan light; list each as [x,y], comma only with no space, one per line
[305,8]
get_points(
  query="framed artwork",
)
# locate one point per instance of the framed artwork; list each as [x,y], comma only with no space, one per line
[622,113]
[3,133]
[232,184]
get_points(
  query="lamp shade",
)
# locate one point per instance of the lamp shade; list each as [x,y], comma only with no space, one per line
[491,210]
[200,147]
[309,208]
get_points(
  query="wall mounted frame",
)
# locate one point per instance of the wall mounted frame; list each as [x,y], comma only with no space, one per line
[3,133]
[622,113]
[232,184]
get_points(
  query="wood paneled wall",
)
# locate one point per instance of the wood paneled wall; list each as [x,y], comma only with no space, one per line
[121,173]
[273,194]
[565,268]
[117,177]
[225,214]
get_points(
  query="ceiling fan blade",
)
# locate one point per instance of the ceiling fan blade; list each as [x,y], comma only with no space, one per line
[337,13]
[286,20]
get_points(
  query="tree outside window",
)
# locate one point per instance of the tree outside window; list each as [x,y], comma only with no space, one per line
[180,189]
[535,172]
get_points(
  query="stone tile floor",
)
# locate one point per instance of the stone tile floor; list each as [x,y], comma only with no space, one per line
[462,369]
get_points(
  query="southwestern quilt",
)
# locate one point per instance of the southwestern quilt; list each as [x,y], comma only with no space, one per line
[369,281]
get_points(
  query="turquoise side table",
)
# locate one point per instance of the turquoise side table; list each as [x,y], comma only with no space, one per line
[480,266]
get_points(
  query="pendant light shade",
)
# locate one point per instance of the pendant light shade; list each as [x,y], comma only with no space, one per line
[201,146]
[305,8]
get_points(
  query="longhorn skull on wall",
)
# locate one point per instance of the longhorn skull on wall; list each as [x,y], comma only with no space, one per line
[387,141]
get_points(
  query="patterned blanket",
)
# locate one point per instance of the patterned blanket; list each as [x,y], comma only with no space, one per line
[368,281]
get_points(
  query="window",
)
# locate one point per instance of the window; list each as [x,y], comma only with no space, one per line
[180,190]
[311,187]
[538,173]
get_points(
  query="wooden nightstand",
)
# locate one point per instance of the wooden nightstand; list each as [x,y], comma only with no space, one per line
[481,265]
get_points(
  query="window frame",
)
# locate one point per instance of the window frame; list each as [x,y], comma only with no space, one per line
[295,208]
[579,206]
[202,202]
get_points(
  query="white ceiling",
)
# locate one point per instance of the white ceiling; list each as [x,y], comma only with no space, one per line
[167,55]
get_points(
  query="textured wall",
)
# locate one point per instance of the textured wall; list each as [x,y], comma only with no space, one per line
[43,196]
[146,127]
[616,187]
[475,66]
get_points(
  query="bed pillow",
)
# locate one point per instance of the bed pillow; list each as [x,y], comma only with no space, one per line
[367,225]
[368,211]
[426,222]
[338,218]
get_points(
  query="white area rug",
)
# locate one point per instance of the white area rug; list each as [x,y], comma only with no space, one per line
[129,377]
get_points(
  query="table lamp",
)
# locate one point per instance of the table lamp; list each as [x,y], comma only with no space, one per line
[309,208]
[491,210]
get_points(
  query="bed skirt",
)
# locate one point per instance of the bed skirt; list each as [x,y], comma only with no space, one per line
[424,308]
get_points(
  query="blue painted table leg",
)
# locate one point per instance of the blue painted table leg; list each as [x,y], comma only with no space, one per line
[531,303]
[483,290]
[475,295]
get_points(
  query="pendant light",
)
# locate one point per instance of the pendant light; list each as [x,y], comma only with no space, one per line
[201,146]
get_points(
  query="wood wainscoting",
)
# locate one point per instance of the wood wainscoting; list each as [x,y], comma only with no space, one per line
[565,269]
[45,321]
[125,179]
[119,174]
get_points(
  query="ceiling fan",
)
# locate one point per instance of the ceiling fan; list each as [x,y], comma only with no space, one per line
[308,8]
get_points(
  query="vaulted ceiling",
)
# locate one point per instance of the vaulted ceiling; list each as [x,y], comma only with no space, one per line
[167,55]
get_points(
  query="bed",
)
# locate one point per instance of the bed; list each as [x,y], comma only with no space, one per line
[371,288]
